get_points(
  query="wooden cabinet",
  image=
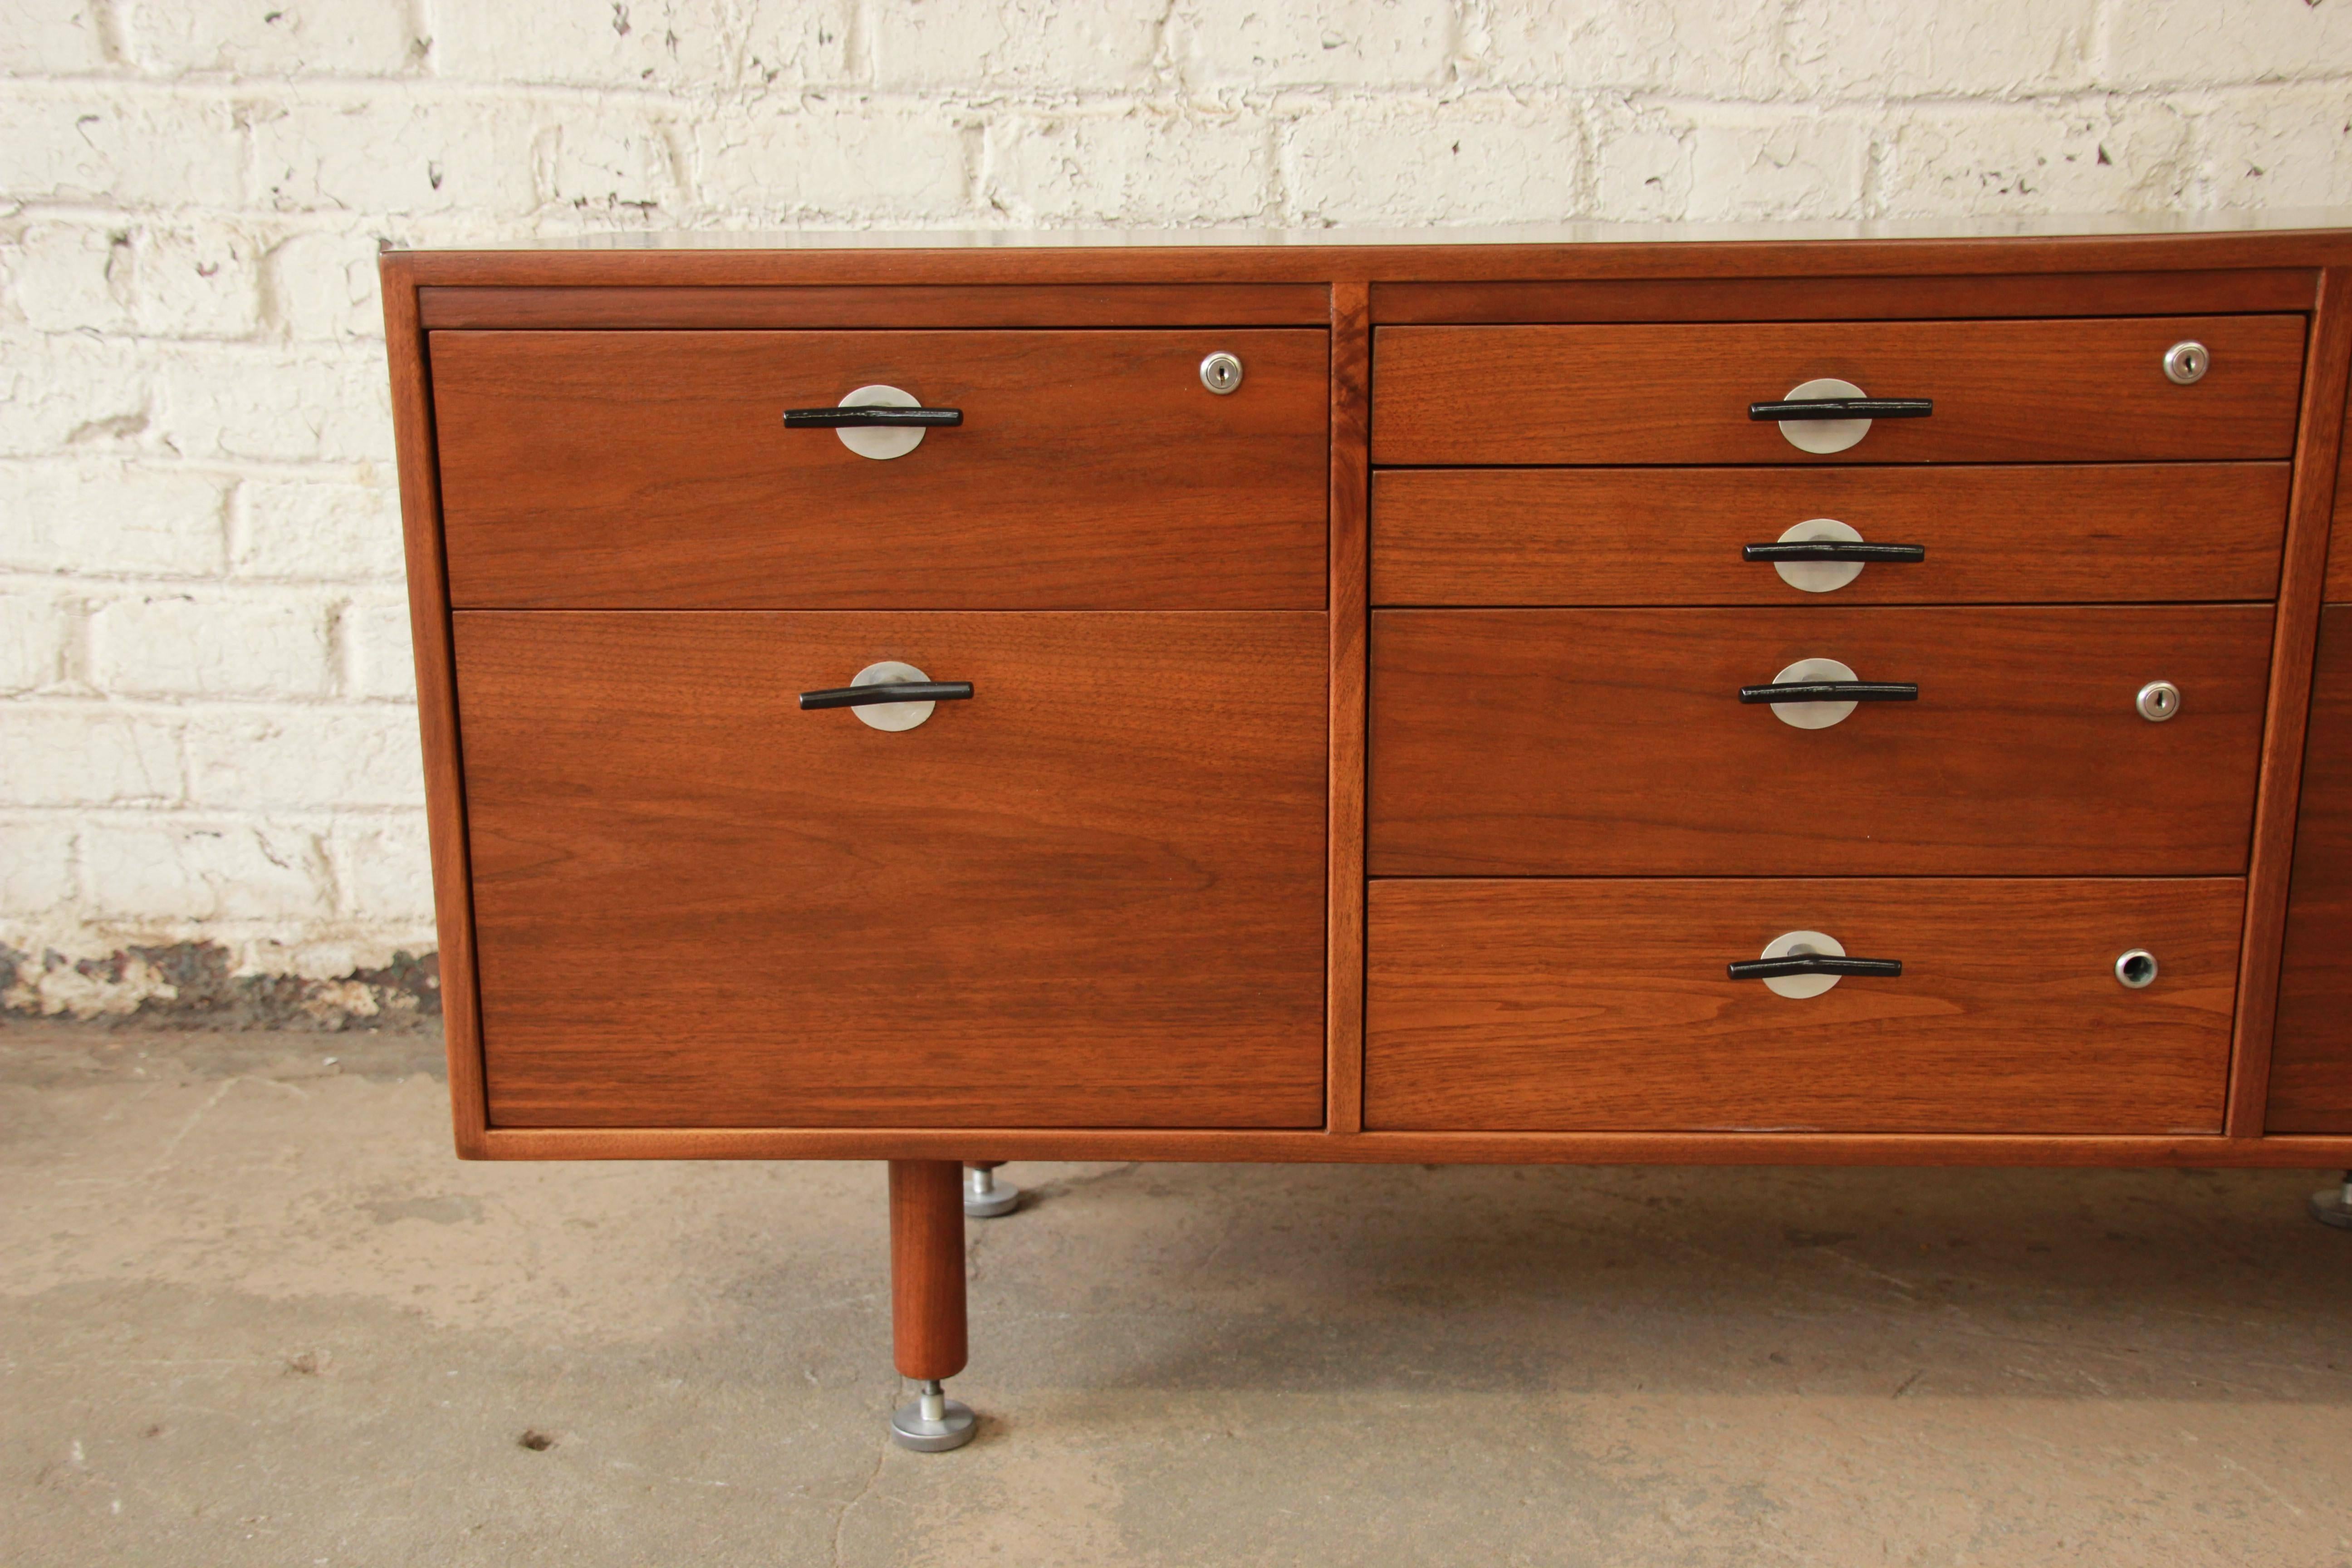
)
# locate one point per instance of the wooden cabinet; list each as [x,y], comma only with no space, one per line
[1389,700]
[1332,710]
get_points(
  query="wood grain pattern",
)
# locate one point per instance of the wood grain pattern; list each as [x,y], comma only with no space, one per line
[1092,472]
[2293,642]
[1604,1005]
[2339,551]
[1834,255]
[1351,364]
[928,1334]
[2038,391]
[2201,1151]
[1611,742]
[2004,534]
[989,305]
[437,704]
[1094,893]
[2310,1080]
[1850,299]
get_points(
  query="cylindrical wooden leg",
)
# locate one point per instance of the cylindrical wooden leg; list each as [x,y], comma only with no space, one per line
[926,1327]
[927,1319]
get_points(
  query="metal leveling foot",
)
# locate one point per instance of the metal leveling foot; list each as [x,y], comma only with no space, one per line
[985,1197]
[931,1423]
[2333,1205]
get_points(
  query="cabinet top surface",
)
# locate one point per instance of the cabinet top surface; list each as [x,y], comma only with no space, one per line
[2087,226]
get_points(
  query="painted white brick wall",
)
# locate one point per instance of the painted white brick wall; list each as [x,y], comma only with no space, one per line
[207,729]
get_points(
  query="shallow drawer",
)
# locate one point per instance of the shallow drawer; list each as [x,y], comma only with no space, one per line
[1092,470]
[1090,895]
[1613,743]
[2176,531]
[1588,1006]
[2033,391]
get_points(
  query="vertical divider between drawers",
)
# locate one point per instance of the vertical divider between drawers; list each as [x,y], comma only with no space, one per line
[1351,364]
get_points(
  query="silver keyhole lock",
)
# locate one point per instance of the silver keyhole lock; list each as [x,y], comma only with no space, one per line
[2186,363]
[2157,700]
[1221,373]
[2137,969]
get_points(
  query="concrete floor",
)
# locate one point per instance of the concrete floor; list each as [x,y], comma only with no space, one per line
[252,1310]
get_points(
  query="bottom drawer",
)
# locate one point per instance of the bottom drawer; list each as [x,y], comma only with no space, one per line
[1605,1006]
[1091,896]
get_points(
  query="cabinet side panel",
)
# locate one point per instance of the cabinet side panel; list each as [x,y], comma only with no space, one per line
[2319,427]
[436,699]
[2311,1059]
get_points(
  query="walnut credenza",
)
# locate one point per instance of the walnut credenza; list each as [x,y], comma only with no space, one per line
[1589,696]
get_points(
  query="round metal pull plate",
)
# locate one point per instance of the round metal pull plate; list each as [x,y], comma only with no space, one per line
[882,442]
[1221,373]
[1814,715]
[1823,434]
[1789,944]
[2157,700]
[1819,576]
[889,672]
[2137,969]
[2185,363]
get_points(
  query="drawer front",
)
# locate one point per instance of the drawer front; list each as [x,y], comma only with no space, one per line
[2311,1052]
[2016,534]
[1613,742]
[1091,895]
[1588,1006]
[2041,391]
[1093,470]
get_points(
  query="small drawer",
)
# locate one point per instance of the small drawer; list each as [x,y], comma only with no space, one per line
[1616,742]
[1091,470]
[2037,391]
[1608,1006]
[1091,894]
[2173,533]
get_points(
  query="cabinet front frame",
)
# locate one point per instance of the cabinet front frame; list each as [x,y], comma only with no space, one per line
[1357,285]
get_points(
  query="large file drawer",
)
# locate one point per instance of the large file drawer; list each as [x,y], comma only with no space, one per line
[1092,470]
[1591,1006]
[1092,895]
[1614,743]
[2002,391]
